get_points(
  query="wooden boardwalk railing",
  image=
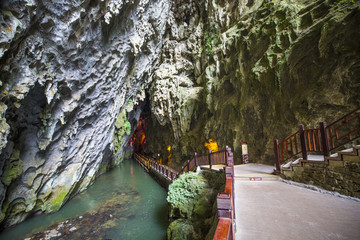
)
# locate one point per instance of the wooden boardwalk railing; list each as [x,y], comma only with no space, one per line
[321,140]
[226,204]
[210,159]
[149,163]
[225,201]
[213,158]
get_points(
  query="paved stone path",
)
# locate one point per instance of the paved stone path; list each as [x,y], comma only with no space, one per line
[270,209]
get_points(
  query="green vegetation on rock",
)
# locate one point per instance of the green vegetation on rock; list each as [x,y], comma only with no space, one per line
[56,203]
[211,39]
[53,199]
[338,2]
[185,191]
[122,128]
[192,198]
[180,229]
[13,169]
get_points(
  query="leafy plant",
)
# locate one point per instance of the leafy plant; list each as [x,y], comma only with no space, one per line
[211,39]
[185,191]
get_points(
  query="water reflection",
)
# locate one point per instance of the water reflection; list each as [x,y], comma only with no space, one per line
[125,203]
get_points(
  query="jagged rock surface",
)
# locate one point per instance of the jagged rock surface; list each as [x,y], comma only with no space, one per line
[73,74]
[68,68]
[264,67]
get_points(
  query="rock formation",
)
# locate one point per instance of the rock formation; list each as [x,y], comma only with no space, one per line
[74,77]
[261,68]
[68,70]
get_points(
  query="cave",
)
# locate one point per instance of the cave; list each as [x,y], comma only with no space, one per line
[87,85]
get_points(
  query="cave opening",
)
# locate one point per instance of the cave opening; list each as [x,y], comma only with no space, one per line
[138,137]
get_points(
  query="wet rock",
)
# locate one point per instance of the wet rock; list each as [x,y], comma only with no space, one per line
[263,68]
[51,234]
[93,224]
[67,71]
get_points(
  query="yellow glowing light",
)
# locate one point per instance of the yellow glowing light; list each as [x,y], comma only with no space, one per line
[212,145]
[168,148]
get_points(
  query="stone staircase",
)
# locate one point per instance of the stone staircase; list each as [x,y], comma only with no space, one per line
[327,160]
[335,160]
[339,172]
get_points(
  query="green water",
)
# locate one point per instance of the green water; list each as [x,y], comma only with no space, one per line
[125,203]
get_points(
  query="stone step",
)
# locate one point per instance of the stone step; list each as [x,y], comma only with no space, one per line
[336,163]
[257,177]
[351,158]
[255,172]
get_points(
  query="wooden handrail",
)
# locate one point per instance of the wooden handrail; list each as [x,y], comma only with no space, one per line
[212,158]
[338,133]
[148,162]
[225,229]
[323,139]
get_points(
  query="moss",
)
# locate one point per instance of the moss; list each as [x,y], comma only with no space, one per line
[122,128]
[103,168]
[13,169]
[180,230]
[57,202]
[193,197]
[53,199]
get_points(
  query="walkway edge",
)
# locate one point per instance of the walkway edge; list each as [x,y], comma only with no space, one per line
[318,189]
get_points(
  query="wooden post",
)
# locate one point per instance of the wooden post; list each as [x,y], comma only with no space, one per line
[226,156]
[277,156]
[324,139]
[302,141]
[195,159]
[224,205]
[229,157]
[210,163]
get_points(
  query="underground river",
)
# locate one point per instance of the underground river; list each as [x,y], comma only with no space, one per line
[125,203]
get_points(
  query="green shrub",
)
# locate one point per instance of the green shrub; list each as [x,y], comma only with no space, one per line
[185,191]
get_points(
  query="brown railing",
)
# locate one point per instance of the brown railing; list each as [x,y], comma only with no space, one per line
[213,158]
[289,147]
[226,205]
[320,140]
[210,159]
[313,140]
[225,201]
[344,130]
[149,163]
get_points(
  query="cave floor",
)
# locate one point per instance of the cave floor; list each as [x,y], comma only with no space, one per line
[276,210]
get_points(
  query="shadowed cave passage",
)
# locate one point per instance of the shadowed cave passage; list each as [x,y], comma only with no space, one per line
[138,136]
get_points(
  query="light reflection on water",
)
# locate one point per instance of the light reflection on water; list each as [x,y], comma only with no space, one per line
[125,203]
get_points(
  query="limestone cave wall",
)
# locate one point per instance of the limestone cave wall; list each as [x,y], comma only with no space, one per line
[73,75]
[259,69]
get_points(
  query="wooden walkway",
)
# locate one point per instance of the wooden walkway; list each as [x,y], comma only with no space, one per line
[225,201]
[215,160]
